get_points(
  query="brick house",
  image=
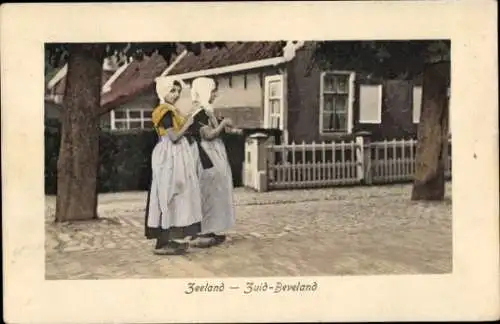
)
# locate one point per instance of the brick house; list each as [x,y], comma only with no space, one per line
[261,85]
[241,70]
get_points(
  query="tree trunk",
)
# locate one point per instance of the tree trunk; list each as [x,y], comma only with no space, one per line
[432,146]
[77,166]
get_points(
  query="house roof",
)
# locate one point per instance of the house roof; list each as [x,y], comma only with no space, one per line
[138,77]
[234,53]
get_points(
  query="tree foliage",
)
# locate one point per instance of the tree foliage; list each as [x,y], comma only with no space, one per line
[56,54]
[386,55]
[386,58]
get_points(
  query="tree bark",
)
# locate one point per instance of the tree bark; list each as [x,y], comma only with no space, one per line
[77,166]
[432,146]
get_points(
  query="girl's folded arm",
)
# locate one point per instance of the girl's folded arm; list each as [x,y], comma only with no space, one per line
[167,123]
[176,135]
[201,125]
[208,133]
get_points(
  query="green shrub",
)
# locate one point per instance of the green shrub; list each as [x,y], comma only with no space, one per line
[125,159]
[52,143]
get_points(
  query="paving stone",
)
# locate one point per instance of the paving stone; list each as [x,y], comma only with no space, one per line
[64,237]
[334,231]
[74,248]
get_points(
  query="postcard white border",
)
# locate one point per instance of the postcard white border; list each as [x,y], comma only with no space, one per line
[469,293]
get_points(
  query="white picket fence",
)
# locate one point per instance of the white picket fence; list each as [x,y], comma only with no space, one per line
[345,163]
[393,161]
[313,165]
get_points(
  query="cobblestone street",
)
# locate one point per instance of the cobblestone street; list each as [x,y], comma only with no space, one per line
[336,231]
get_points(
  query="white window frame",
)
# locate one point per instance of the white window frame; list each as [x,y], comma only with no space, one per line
[417,120]
[415,108]
[128,119]
[267,81]
[350,101]
[379,106]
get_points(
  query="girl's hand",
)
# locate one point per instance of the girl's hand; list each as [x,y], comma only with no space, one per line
[238,131]
[227,122]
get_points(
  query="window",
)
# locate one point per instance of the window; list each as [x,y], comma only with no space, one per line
[370,104]
[274,102]
[131,118]
[336,102]
[417,103]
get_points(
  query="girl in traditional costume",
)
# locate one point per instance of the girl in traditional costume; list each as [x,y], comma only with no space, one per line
[216,182]
[173,211]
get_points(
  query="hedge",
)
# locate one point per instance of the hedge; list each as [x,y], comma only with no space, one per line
[125,159]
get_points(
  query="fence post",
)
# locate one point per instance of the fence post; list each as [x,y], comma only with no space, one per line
[360,162]
[249,166]
[256,162]
[366,157]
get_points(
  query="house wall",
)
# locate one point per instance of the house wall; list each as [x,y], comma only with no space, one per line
[232,91]
[148,100]
[240,97]
[242,117]
[240,100]
[396,113]
[304,101]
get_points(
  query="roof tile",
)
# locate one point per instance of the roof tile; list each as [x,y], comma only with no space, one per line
[136,78]
[233,53]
